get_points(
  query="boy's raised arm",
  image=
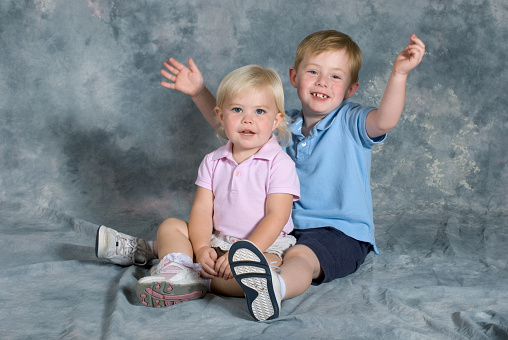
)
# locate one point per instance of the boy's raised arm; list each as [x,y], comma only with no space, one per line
[189,80]
[387,116]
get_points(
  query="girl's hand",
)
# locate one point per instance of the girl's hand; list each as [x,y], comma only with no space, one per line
[206,256]
[187,80]
[222,267]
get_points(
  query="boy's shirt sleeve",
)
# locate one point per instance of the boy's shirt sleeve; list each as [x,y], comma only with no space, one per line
[354,120]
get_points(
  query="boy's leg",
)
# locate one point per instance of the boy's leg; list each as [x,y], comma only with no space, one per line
[299,268]
[321,255]
[259,281]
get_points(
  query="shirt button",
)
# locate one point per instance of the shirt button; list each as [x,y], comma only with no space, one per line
[304,143]
[237,174]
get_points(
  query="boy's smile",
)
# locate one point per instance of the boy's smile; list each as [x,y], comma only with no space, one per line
[323,81]
[249,119]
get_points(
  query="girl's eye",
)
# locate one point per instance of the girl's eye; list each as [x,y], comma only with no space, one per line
[237,110]
[260,111]
[336,77]
[313,72]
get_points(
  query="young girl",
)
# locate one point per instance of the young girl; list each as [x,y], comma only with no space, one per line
[246,189]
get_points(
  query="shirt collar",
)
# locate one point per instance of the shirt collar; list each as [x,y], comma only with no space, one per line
[267,151]
[323,124]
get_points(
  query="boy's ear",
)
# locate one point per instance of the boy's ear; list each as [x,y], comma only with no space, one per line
[351,91]
[292,77]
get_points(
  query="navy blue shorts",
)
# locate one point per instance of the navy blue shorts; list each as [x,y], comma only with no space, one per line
[339,255]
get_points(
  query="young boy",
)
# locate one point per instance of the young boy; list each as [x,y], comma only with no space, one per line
[331,146]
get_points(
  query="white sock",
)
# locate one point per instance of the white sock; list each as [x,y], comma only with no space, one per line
[282,287]
[208,283]
[180,258]
[150,244]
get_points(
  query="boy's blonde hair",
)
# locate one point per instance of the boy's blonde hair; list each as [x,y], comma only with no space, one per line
[255,77]
[331,40]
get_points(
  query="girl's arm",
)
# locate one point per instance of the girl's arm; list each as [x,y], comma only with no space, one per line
[189,80]
[200,231]
[278,210]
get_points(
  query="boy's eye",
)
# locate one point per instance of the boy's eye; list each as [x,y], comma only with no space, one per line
[260,111]
[313,72]
[335,77]
[237,110]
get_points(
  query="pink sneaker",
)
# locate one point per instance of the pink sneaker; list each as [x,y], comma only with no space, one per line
[170,283]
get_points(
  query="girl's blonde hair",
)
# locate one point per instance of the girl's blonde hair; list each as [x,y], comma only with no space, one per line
[255,77]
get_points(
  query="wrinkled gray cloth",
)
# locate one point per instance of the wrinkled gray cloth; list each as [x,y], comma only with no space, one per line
[89,137]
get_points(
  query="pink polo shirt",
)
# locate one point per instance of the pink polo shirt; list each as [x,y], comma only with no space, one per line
[240,190]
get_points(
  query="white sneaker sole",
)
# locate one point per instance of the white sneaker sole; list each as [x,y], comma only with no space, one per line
[252,272]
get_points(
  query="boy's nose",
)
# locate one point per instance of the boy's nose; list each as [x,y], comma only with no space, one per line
[322,81]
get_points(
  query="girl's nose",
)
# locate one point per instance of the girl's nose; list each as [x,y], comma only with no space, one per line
[247,118]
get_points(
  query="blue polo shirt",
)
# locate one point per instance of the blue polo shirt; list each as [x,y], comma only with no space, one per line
[333,164]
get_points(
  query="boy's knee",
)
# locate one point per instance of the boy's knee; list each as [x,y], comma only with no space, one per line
[303,254]
[299,251]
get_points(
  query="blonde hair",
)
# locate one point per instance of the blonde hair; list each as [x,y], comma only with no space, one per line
[331,40]
[255,77]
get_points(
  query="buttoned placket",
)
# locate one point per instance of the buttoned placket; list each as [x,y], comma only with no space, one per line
[303,146]
[237,173]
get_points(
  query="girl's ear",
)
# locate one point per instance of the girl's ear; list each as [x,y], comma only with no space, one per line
[219,114]
[278,119]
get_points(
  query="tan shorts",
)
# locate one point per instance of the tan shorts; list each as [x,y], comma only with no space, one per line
[222,243]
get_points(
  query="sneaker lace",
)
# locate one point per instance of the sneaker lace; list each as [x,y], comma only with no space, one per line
[275,268]
[128,248]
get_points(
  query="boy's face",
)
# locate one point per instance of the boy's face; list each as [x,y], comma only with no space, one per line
[323,81]
[249,119]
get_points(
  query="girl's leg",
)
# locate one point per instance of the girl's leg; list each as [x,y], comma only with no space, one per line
[174,279]
[231,287]
[226,287]
[172,237]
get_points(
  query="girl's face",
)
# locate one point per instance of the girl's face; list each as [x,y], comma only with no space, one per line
[249,118]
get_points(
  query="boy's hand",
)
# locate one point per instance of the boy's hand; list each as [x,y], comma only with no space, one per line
[410,57]
[206,256]
[187,80]
[222,267]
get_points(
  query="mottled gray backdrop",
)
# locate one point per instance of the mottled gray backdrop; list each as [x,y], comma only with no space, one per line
[89,137]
